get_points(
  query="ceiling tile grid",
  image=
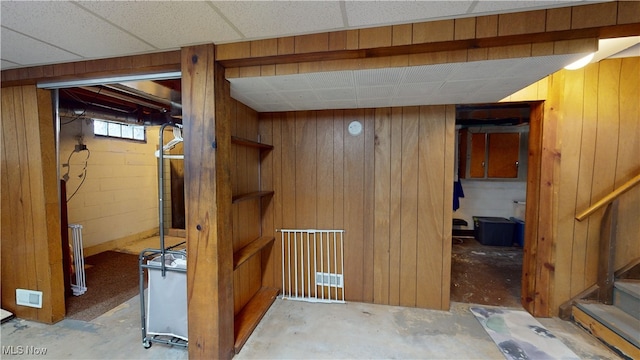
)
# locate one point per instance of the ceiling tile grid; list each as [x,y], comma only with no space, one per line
[66,26]
[169,25]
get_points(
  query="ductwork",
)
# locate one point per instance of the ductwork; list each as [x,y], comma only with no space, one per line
[74,110]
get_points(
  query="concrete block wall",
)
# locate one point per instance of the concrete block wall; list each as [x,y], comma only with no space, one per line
[119,197]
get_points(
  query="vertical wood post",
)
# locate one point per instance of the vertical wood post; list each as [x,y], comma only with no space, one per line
[607,253]
[208,206]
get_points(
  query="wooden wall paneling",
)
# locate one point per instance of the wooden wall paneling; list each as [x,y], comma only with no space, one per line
[311,43]
[628,164]
[353,210]
[628,12]
[447,238]
[279,189]
[558,19]
[31,223]
[528,289]
[570,133]
[369,202]
[289,189]
[464,28]
[606,147]
[265,126]
[306,170]
[401,34]
[440,30]
[324,170]
[382,188]
[26,211]
[591,15]
[48,243]
[409,206]
[339,126]
[547,224]
[585,179]
[13,252]
[521,22]
[375,37]
[395,200]
[208,213]
[431,167]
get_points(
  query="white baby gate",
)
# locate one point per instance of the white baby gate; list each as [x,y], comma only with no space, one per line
[80,286]
[313,265]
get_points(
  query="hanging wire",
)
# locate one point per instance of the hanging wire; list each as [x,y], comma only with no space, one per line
[83,174]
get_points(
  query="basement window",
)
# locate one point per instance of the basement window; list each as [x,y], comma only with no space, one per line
[119,131]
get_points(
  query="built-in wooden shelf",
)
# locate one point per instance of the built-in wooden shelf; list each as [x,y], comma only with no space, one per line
[252,248]
[251,314]
[250,143]
[249,196]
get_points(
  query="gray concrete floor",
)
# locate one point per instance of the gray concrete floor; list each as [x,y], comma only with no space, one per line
[289,330]
[294,330]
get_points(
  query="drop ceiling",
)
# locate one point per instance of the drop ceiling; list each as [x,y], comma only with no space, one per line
[43,32]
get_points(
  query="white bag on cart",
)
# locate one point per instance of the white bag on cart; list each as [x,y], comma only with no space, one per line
[167,297]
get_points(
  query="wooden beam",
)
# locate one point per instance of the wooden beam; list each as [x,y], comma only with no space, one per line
[208,212]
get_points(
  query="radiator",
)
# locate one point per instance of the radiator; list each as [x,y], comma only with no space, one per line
[80,286]
[313,265]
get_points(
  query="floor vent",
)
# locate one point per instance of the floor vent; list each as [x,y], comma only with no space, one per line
[313,265]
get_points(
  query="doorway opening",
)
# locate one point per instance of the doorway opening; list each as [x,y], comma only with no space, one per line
[489,203]
[107,133]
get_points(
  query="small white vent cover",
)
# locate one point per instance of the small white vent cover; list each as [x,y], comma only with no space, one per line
[29,298]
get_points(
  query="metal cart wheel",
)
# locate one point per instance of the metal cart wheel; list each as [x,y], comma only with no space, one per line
[146,344]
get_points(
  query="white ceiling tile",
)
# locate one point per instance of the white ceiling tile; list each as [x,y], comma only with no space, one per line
[372,103]
[493,6]
[299,96]
[182,22]
[288,82]
[375,77]
[335,79]
[67,26]
[429,73]
[375,92]
[264,19]
[336,94]
[26,49]
[364,13]
[418,89]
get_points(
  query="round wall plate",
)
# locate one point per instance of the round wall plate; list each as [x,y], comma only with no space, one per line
[355,128]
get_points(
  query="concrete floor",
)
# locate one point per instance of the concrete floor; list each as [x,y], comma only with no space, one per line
[295,330]
[290,330]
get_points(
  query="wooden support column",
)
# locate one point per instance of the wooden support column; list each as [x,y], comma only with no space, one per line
[208,206]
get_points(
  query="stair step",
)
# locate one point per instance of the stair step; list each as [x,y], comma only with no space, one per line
[626,296]
[612,325]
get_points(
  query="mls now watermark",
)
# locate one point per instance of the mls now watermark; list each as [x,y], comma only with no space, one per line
[23,350]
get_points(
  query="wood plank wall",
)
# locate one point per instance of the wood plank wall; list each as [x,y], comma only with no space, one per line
[245,170]
[523,34]
[31,243]
[595,115]
[390,188]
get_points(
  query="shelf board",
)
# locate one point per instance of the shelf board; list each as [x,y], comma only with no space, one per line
[242,255]
[250,143]
[251,314]
[251,195]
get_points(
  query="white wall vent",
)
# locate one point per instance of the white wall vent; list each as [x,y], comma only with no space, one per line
[29,298]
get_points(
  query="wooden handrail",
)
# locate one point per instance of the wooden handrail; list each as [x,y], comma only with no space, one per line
[609,198]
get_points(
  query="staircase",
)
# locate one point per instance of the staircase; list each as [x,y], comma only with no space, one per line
[617,325]
[614,317]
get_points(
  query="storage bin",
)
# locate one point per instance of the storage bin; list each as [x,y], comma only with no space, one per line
[518,231]
[494,231]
